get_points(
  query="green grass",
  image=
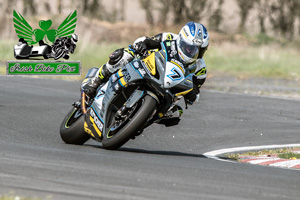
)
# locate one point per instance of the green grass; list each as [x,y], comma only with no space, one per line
[289,155]
[7,50]
[266,61]
[285,153]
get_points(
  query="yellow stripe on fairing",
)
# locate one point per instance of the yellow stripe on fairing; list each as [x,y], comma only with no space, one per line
[87,130]
[161,55]
[178,66]
[95,127]
[183,93]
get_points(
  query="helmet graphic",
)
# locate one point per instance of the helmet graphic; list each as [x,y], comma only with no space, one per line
[74,38]
[192,42]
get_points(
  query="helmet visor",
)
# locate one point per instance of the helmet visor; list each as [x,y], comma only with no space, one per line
[189,50]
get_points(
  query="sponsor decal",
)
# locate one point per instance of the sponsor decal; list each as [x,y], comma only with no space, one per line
[120,64]
[136,65]
[150,63]
[173,49]
[97,121]
[126,75]
[142,71]
[185,32]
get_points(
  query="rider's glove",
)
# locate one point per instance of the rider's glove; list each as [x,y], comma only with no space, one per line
[193,95]
[90,85]
[141,48]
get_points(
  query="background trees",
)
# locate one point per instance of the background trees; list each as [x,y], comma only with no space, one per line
[282,16]
[271,17]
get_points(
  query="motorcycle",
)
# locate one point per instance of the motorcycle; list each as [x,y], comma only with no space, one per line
[141,93]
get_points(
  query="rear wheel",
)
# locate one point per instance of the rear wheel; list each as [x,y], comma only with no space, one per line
[72,128]
[132,122]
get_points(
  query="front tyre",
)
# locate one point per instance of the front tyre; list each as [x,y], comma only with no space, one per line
[72,128]
[133,125]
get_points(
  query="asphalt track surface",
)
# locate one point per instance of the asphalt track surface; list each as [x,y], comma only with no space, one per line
[162,163]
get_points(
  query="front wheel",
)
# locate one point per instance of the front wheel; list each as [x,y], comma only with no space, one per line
[135,122]
[72,128]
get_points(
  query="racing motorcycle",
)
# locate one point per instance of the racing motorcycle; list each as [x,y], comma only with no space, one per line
[139,94]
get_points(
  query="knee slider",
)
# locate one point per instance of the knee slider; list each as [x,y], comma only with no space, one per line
[116,56]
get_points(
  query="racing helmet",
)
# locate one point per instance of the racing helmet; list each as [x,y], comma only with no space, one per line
[192,42]
[74,38]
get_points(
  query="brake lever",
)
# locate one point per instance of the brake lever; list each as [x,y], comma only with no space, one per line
[133,49]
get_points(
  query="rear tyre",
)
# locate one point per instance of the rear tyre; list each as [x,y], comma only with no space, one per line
[72,128]
[133,125]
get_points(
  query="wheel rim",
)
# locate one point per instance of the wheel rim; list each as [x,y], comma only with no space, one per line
[76,114]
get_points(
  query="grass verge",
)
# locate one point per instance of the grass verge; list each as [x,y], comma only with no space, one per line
[263,61]
[284,153]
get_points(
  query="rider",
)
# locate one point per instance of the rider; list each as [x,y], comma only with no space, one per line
[192,42]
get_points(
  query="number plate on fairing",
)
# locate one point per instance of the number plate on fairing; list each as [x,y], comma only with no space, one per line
[174,75]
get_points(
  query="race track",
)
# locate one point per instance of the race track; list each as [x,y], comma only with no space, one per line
[162,163]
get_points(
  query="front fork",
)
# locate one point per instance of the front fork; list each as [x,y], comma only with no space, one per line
[83,103]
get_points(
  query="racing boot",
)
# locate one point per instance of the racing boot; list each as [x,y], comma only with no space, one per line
[172,117]
[93,79]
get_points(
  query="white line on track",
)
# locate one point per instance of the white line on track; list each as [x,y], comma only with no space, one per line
[214,154]
[256,95]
